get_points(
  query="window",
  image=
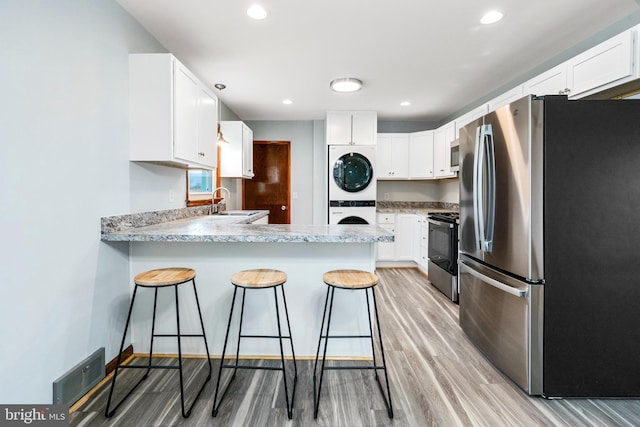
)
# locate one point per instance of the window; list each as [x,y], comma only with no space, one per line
[199,187]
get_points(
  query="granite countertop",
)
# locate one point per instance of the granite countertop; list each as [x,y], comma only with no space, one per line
[191,225]
[418,208]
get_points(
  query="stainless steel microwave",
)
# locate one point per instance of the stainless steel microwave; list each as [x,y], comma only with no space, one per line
[455,156]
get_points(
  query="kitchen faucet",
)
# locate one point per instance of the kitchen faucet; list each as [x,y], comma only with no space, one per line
[213,195]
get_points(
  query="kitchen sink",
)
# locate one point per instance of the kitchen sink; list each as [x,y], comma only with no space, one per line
[238,213]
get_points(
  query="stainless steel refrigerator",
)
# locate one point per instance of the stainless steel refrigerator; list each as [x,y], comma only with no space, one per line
[549,267]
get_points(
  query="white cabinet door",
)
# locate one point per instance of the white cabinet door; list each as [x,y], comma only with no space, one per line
[236,157]
[207,128]
[338,127]
[423,262]
[551,82]
[385,251]
[247,151]
[442,138]
[467,118]
[351,127]
[365,127]
[421,155]
[406,226]
[604,65]
[506,98]
[185,116]
[392,156]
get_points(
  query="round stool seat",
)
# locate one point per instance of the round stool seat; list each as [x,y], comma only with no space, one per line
[350,279]
[259,278]
[164,277]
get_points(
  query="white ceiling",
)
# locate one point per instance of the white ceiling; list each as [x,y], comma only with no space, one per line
[434,54]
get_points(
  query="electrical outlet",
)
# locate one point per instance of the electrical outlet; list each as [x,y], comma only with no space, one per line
[172,196]
[386,196]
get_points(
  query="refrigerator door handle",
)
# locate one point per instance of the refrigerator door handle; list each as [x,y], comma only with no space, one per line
[490,208]
[478,220]
[518,292]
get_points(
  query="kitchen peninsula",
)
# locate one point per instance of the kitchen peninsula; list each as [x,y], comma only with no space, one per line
[217,246]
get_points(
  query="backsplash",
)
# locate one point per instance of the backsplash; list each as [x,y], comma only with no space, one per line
[418,205]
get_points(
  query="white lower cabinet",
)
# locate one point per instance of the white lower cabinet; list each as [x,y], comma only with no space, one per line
[423,253]
[386,251]
[404,228]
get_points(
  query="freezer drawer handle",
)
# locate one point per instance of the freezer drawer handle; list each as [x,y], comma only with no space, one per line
[521,293]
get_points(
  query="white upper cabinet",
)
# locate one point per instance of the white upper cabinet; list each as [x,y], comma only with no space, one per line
[504,99]
[392,156]
[173,116]
[442,139]
[467,118]
[236,157]
[351,127]
[607,64]
[421,155]
[551,82]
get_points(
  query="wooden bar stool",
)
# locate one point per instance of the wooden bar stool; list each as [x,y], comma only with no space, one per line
[258,279]
[156,279]
[350,280]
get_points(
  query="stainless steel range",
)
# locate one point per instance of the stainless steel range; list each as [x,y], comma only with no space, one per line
[443,252]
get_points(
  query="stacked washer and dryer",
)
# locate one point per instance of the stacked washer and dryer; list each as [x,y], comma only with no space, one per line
[352,183]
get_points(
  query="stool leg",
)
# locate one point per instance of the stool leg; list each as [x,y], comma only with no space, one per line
[384,364]
[235,369]
[153,329]
[284,372]
[108,413]
[373,350]
[214,411]
[293,353]
[324,354]
[179,337]
[204,335]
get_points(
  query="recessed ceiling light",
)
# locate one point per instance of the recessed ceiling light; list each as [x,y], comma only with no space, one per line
[491,17]
[287,101]
[257,12]
[347,84]
[405,103]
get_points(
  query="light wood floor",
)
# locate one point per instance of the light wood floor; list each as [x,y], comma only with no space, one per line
[437,377]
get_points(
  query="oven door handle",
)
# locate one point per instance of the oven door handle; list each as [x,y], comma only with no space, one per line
[440,223]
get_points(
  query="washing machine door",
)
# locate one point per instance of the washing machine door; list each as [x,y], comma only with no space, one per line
[352,172]
[352,220]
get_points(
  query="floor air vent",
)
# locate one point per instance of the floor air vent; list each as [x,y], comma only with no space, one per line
[72,385]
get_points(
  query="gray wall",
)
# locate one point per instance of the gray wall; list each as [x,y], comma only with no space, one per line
[64,164]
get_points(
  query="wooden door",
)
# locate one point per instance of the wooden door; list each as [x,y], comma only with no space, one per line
[270,186]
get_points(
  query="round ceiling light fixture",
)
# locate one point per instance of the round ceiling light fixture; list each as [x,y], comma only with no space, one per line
[491,17]
[346,85]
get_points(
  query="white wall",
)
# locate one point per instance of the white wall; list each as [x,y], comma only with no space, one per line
[63,165]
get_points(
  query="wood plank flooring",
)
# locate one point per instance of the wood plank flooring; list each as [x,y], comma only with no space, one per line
[437,378]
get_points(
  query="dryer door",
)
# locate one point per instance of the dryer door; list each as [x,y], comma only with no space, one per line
[352,172]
